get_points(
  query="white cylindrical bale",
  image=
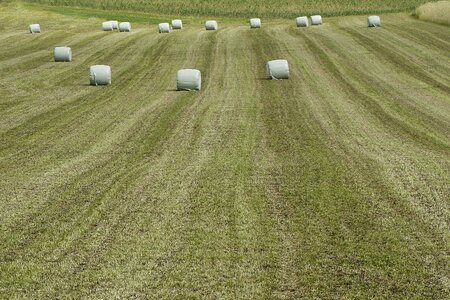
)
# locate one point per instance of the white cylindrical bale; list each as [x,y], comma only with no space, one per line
[374,21]
[62,54]
[211,25]
[164,28]
[316,20]
[107,26]
[125,27]
[177,24]
[277,69]
[255,23]
[115,24]
[34,28]
[302,22]
[189,79]
[100,75]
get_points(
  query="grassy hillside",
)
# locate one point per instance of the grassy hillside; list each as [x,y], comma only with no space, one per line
[332,184]
[247,8]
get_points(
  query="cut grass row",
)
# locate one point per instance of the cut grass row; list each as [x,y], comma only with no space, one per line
[332,184]
[247,8]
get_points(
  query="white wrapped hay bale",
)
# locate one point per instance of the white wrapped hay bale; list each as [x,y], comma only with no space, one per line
[302,22]
[107,26]
[374,21]
[164,28]
[34,28]
[125,27]
[211,25]
[115,24]
[255,23]
[316,20]
[277,69]
[100,75]
[189,79]
[62,54]
[177,24]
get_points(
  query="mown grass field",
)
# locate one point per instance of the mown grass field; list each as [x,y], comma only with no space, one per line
[333,184]
[246,8]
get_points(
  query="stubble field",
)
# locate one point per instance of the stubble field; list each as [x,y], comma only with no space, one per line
[332,184]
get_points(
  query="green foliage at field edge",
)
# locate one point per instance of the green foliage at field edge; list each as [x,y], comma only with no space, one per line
[246,8]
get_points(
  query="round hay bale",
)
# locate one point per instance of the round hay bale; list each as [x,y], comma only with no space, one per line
[302,22]
[189,79]
[100,75]
[374,21]
[107,26]
[255,23]
[164,28]
[177,24]
[115,24]
[211,25]
[125,27]
[34,28]
[316,20]
[277,69]
[63,54]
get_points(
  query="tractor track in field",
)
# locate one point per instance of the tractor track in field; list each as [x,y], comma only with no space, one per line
[332,184]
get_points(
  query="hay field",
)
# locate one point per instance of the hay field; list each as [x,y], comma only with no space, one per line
[332,184]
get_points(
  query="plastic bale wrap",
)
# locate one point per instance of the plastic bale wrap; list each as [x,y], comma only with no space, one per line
[374,21]
[115,24]
[100,75]
[125,27]
[189,80]
[211,25]
[107,26]
[34,28]
[277,69]
[62,54]
[164,28]
[255,23]
[177,24]
[316,20]
[302,22]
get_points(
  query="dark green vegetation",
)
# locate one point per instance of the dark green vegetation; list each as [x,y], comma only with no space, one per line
[247,8]
[332,184]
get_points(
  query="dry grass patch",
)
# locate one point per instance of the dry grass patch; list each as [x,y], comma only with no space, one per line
[437,12]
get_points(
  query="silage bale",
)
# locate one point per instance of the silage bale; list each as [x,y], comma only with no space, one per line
[164,28]
[34,28]
[277,69]
[302,22]
[63,54]
[316,20]
[374,21]
[255,23]
[189,79]
[125,27]
[115,24]
[177,24]
[100,75]
[107,26]
[211,25]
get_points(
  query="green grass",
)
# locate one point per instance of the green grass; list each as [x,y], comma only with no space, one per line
[332,184]
[247,8]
